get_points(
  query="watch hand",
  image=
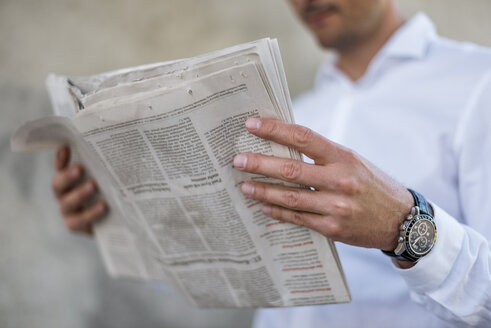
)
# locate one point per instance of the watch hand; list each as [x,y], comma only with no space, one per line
[416,241]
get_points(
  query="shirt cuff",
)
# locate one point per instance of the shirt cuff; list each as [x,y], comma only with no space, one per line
[429,273]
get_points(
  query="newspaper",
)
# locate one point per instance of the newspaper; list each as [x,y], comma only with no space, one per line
[160,141]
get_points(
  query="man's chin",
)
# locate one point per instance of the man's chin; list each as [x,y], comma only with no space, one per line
[336,42]
[326,37]
[327,43]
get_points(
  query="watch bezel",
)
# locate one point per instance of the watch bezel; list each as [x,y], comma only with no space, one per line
[408,230]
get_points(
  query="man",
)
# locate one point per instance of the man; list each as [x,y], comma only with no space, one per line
[416,106]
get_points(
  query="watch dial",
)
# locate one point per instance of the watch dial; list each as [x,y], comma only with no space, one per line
[422,236]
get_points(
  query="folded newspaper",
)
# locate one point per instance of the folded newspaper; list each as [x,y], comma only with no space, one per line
[160,141]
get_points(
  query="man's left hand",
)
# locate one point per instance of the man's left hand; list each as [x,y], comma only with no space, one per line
[349,200]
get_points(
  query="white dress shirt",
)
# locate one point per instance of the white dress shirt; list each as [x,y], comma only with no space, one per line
[422,113]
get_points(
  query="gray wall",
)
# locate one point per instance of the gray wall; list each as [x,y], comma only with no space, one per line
[51,278]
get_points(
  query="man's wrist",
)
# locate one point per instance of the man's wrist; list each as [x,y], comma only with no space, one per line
[406,202]
[405,264]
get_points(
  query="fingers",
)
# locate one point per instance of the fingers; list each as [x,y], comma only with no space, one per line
[82,220]
[326,225]
[306,141]
[293,198]
[281,168]
[76,198]
[66,179]
[76,208]
[320,211]
[61,158]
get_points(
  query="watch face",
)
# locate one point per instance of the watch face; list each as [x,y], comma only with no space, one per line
[421,235]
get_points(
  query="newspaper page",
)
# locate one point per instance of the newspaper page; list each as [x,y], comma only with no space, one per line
[163,158]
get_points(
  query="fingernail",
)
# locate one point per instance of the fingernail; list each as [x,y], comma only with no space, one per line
[89,187]
[247,188]
[101,208]
[62,154]
[240,161]
[75,172]
[253,123]
[266,209]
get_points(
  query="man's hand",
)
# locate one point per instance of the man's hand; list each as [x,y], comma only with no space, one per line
[350,200]
[74,195]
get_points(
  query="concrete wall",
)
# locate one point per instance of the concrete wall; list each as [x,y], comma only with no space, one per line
[51,278]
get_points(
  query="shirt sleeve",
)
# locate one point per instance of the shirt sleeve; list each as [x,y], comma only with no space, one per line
[454,280]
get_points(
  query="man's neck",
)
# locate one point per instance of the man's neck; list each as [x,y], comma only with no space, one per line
[354,61]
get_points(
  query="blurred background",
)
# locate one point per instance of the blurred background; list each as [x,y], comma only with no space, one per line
[51,278]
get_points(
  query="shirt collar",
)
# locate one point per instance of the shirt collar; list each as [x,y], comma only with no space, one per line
[411,40]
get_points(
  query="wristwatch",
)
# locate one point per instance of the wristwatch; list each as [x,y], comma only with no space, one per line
[418,232]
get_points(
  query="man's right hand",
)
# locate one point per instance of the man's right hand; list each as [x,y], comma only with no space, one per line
[75,193]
